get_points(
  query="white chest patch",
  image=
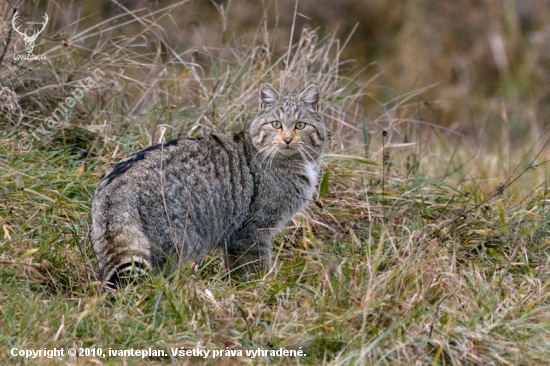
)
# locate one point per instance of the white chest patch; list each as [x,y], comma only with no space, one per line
[311,173]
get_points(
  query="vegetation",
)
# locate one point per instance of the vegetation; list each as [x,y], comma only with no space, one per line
[425,246]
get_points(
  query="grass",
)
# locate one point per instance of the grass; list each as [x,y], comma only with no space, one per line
[424,248]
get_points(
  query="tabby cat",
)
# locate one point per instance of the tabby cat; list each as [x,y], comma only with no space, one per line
[173,202]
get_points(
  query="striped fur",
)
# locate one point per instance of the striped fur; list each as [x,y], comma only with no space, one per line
[175,201]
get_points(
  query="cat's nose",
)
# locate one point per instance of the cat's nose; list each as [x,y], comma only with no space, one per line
[288,140]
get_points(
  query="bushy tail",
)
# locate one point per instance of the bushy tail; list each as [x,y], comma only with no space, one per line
[123,252]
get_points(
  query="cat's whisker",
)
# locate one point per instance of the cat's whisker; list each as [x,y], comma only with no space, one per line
[312,149]
[308,154]
[264,151]
[273,152]
[261,151]
[267,155]
[262,158]
[272,157]
[302,155]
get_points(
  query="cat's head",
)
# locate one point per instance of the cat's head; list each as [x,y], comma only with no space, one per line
[289,124]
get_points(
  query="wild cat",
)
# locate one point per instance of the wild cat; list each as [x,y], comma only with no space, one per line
[175,201]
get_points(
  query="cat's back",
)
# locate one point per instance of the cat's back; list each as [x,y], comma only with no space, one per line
[188,190]
[202,161]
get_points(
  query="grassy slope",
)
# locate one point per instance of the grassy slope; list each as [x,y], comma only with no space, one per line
[416,258]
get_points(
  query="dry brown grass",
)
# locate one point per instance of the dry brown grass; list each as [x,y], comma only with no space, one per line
[430,248]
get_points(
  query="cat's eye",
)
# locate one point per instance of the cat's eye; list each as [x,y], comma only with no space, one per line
[276,124]
[300,125]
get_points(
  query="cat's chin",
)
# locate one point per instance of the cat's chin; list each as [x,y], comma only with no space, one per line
[287,151]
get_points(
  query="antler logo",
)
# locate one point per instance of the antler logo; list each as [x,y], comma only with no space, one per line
[29,40]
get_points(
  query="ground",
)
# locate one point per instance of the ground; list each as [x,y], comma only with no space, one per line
[424,246]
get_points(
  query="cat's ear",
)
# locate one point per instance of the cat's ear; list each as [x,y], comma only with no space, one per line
[310,96]
[268,95]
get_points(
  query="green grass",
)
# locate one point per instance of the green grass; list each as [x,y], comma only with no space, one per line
[424,247]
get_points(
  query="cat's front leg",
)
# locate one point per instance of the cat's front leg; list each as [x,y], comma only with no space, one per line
[249,255]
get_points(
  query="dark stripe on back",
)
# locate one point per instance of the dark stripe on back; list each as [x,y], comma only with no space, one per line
[123,166]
